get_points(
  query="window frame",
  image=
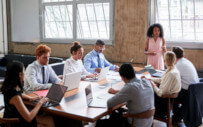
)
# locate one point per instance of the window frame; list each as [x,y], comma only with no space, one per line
[183,43]
[74,16]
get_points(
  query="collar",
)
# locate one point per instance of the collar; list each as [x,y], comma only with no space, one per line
[40,65]
[95,53]
[73,60]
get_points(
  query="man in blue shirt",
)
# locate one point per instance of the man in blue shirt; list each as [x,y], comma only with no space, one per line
[95,59]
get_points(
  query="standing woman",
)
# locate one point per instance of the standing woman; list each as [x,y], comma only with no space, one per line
[155,46]
[74,63]
[13,99]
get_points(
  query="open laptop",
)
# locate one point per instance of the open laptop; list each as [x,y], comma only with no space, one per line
[72,80]
[96,103]
[101,76]
[55,94]
[153,72]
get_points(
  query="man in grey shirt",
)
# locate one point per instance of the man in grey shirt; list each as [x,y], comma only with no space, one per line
[39,73]
[138,95]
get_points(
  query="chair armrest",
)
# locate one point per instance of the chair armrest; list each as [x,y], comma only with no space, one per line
[174,95]
[142,115]
[9,120]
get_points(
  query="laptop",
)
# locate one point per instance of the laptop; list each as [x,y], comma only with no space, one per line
[96,103]
[55,94]
[153,72]
[101,76]
[72,80]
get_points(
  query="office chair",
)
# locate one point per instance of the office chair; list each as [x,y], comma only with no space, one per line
[142,115]
[168,118]
[8,121]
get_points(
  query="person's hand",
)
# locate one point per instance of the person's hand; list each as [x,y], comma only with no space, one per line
[163,48]
[61,83]
[116,68]
[97,70]
[35,98]
[152,83]
[143,77]
[60,76]
[91,76]
[153,53]
[43,100]
[112,91]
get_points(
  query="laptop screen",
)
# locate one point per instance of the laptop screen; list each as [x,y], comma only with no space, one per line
[88,93]
[56,92]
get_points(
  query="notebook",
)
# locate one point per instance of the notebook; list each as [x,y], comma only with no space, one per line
[72,80]
[153,72]
[55,94]
[96,103]
[101,76]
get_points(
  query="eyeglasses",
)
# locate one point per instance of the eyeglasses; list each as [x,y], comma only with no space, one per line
[100,48]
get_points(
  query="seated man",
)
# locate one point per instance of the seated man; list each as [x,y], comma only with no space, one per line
[138,95]
[95,59]
[188,76]
[39,73]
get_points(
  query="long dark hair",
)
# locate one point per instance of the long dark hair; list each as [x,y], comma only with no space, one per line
[12,78]
[151,28]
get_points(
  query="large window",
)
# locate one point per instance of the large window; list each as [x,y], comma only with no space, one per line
[77,20]
[182,20]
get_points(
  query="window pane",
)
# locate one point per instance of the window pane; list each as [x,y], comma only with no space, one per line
[58,21]
[198,9]
[166,29]
[188,30]
[187,9]
[162,10]
[93,21]
[176,30]
[175,12]
[199,29]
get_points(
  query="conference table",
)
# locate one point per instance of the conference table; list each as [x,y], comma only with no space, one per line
[74,105]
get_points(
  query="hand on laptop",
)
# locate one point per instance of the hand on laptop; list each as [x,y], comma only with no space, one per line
[113,91]
[97,70]
[92,75]
[61,83]
[44,100]
[35,98]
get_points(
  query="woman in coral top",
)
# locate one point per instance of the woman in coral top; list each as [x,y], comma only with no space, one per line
[155,46]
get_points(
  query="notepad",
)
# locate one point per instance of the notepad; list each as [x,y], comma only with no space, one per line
[41,92]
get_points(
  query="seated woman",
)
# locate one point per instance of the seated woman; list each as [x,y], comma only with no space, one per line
[13,99]
[74,63]
[170,83]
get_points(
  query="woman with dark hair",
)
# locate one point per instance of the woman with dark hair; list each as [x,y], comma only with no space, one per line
[74,63]
[13,99]
[155,46]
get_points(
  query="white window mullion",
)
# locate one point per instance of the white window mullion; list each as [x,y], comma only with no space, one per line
[194,20]
[74,20]
[169,18]
[182,28]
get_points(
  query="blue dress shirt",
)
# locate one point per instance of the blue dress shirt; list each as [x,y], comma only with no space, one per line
[91,61]
[34,79]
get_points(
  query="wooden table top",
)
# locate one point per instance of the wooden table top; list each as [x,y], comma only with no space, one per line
[74,105]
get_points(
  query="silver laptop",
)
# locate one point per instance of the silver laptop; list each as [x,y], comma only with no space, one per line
[72,80]
[153,72]
[96,103]
[101,76]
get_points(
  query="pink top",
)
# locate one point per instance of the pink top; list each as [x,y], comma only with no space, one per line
[157,60]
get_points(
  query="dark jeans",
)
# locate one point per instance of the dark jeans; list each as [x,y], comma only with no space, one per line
[160,105]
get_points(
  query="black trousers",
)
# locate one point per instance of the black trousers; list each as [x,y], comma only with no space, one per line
[160,105]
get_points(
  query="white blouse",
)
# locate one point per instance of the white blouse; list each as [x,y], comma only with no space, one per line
[169,84]
[72,65]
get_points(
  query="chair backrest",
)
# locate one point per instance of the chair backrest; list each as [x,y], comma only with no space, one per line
[8,121]
[174,95]
[142,115]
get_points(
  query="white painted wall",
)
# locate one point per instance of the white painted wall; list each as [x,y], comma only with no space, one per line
[25,20]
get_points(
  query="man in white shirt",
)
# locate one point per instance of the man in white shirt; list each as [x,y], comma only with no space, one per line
[188,74]
[39,73]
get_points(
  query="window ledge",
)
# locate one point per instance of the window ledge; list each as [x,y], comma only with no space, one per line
[186,45]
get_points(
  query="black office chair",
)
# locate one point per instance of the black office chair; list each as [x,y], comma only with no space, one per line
[8,121]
